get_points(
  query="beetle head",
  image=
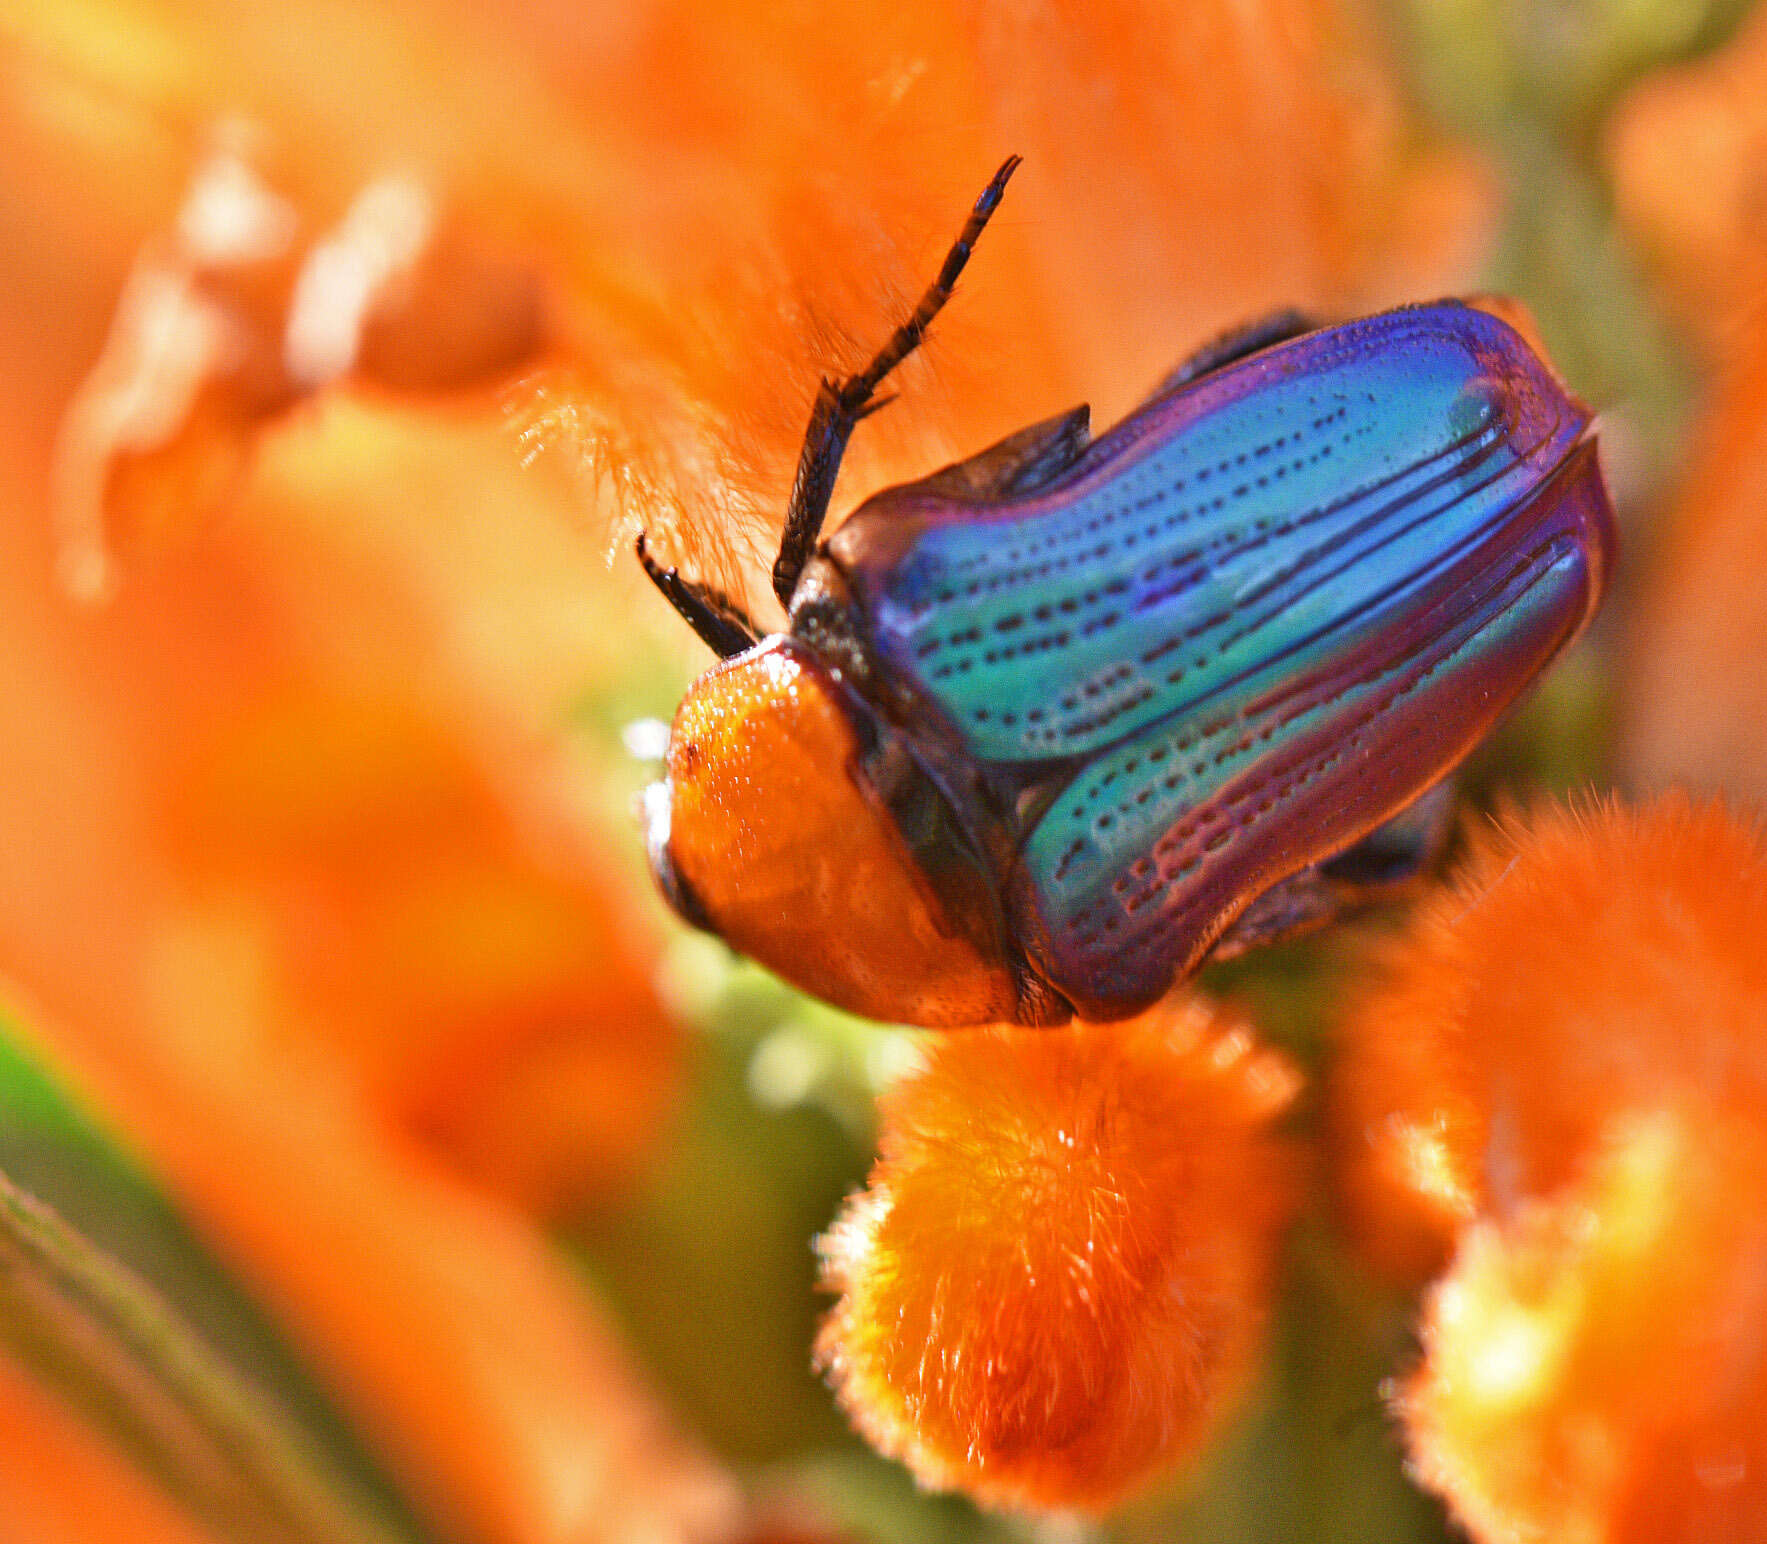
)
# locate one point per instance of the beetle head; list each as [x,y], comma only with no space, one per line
[768,834]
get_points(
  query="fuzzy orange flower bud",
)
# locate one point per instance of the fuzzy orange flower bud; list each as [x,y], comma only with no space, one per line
[1701,615]
[1058,1276]
[1559,1084]
[1685,147]
[1592,1367]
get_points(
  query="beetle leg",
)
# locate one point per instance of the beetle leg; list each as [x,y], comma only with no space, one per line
[841,404]
[1403,850]
[1299,904]
[1236,343]
[1382,866]
[718,619]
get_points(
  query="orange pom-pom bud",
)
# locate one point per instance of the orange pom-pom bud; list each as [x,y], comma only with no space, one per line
[1058,1275]
[1585,967]
[1593,1367]
[1560,1085]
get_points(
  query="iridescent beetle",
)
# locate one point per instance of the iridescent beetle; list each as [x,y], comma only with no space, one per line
[1050,725]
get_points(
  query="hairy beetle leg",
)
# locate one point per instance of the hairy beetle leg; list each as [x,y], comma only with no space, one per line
[718,619]
[840,405]
[1401,852]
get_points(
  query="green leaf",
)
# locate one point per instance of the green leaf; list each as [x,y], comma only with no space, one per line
[108,1297]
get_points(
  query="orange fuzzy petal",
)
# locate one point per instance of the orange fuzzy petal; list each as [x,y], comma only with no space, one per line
[1583,965]
[239,311]
[1696,696]
[1593,1368]
[338,714]
[306,886]
[1560,1082]
[326,1030]
[831,156]
[687,212]
[1059,1274]
[1688,151]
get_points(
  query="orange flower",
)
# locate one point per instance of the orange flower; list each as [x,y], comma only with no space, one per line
[339,953]
[304,881]
[685,217]
[1058,1277]
[832,156]
[1592,1368]
[236,314]
[1688,148]
[1688,152]
[1558,1083]
[1696,697]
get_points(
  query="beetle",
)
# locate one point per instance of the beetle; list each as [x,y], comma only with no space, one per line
[1048,726]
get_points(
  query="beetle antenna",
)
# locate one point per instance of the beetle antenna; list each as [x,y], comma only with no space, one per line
[841,404]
